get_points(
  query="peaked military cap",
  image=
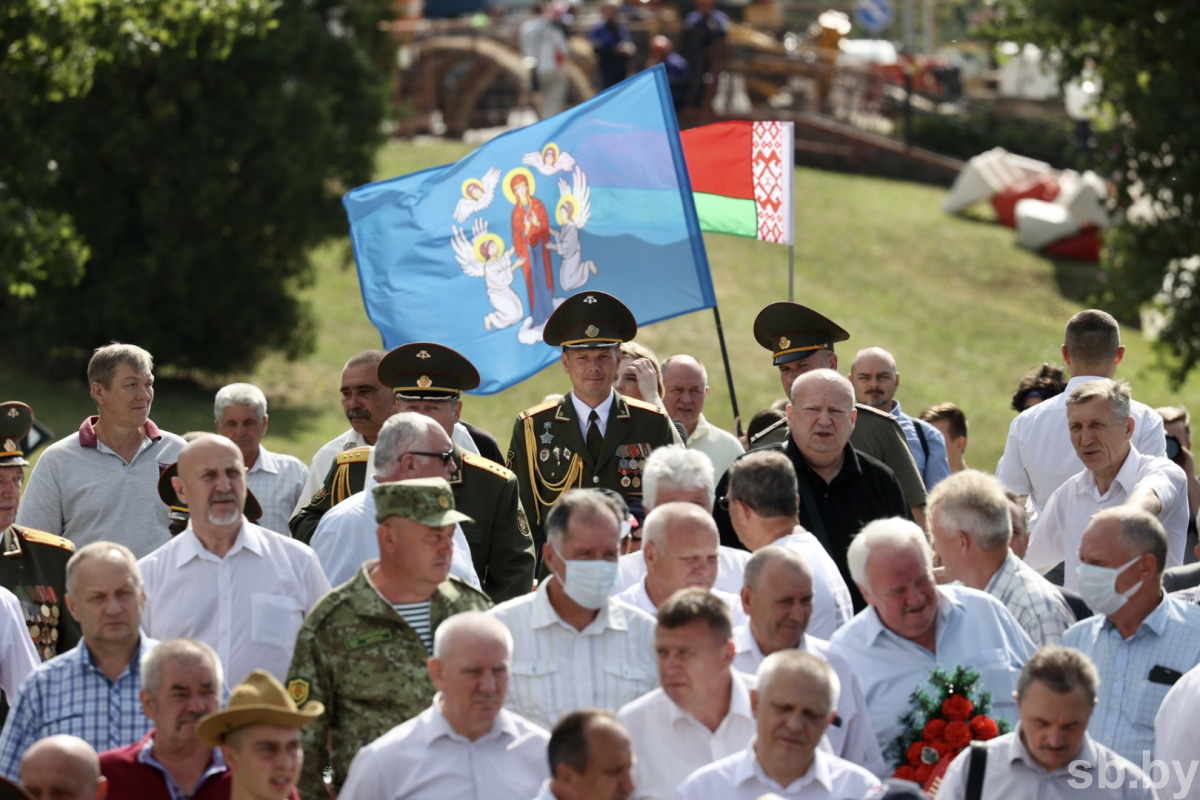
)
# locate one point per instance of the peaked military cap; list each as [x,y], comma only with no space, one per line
[793,332]
[427,371]
[589,321]
[429,501]
[16,420]
[180,513]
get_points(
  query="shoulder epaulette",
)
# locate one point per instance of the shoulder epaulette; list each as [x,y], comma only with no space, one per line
[644,405]
[539,408]
[772,427]
[464,588]
[41,537]
[358,455]
[488,465]
[870,410]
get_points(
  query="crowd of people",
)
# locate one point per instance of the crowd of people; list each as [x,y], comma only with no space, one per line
[629,603]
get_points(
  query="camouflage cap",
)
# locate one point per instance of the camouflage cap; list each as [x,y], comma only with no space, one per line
[429,501]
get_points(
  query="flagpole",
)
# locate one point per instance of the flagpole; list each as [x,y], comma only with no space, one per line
[791,273]
[728,370]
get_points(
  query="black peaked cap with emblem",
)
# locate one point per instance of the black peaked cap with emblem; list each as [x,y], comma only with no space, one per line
[16,420]
[589,321]
[427,371]
[793,332]
[166,492]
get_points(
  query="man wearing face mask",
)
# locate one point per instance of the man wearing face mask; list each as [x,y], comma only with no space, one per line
[574,644]
[1141,640]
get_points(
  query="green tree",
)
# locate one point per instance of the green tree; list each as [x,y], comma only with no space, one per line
[1145,57]
[178,174]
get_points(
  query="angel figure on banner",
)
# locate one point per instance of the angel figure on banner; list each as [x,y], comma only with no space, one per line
[484,257]
[550,160]
[573,212]
[477,194]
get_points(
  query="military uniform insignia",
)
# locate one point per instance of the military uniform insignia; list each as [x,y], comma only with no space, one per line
[424,354]
[318,496]
[367,639]
[523,523]
[544,455]
[12,412]
[298,689]
[9,445]
[591,331]
[784,342]
[442,501]
[589,299]
[547,437]
[424,382]
[567,453]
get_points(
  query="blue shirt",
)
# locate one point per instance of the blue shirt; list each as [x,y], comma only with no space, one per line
[935,466]
[69,694]
[1128,700]
[215,767]
[973,629]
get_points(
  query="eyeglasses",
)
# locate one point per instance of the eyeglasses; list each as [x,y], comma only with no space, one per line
[446,457]
[723,502]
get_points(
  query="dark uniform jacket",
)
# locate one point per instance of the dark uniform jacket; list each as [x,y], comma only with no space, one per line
[501,546]
[549,455]
[34,568]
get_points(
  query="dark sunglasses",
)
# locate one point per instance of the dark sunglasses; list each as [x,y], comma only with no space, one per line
[446,457]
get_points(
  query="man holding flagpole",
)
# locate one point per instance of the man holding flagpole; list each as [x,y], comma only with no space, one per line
[592,437]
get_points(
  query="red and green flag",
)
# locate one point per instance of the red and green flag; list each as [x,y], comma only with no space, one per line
[741,173]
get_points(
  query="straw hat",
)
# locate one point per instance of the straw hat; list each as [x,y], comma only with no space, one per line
[258,700]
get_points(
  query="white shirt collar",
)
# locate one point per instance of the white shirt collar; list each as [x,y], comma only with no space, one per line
[739,701]
[439,726]
[544,615]
[189,545]
[749,768]
[265,462]
[583,410]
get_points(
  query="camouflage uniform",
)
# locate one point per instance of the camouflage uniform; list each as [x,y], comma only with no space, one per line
[358,657]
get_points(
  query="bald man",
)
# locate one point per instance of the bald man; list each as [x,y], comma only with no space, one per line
[63,767]
[241,589]
[685,387]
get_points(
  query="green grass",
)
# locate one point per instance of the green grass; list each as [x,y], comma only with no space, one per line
[965,311]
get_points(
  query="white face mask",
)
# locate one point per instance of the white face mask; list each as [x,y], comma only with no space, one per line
[1098,587]
[590,583]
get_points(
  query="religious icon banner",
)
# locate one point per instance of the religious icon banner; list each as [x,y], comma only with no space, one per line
[477,254]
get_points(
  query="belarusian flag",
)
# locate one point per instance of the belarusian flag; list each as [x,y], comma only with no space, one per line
[741,174]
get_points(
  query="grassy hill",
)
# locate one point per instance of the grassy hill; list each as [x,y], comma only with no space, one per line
[965,311]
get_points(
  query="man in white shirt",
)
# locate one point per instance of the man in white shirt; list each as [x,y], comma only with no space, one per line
[575,645]
[1176,735]
[1102,427]
[277,480]
[1038,456]
[778,597]
[409,445]
[794,703]
[685,382]
[680,547]
[970,523]
[1050,753]
[676,475]
[241,589]
[466,744]
[702,712]
[591,758]
[367,404]
[912,625]
[763,505]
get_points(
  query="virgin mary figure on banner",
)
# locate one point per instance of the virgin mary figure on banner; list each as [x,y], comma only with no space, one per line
[531,240]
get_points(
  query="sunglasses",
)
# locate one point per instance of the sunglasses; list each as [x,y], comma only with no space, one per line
[446,457]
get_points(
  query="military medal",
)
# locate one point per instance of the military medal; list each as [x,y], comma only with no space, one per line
[547,437]
[567,453]
[625,481]
[637,482]
[557,461]
[544,455]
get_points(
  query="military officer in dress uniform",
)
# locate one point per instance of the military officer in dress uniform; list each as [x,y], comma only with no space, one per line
[800,340]
[429,379]
[34,563]
[592,436]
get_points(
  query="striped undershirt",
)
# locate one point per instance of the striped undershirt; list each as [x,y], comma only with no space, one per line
[417,617]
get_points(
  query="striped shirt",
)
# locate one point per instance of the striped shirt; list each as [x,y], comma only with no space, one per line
[557,669]
[69,694]
[417,617]
[1036,603]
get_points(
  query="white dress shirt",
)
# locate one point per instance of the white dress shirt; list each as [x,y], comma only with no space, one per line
[1056,534]
[721,447]
[670,744]
[1039,457]
[557,669]
[248,606]
[973,629]
[731,563]
[583,411]
[18,657]
[1012,774]
[638,597]
[323,459]
[741,777]
[851,737]
[1177,737]
[831,607]
[277,481]
[345,538]
[426,759]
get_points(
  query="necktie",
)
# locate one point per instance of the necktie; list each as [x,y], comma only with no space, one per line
[594,438]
